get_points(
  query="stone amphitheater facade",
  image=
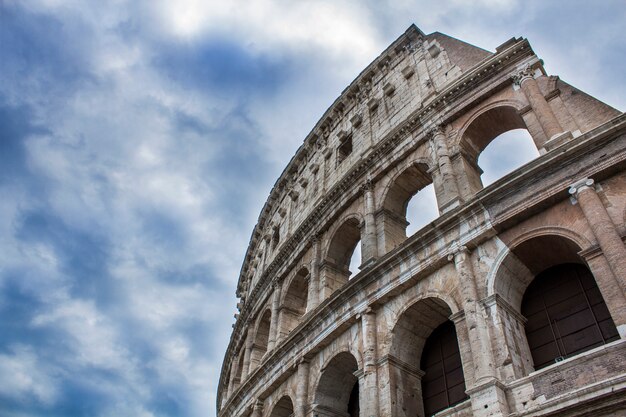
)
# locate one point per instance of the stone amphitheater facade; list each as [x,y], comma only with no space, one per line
[510,303]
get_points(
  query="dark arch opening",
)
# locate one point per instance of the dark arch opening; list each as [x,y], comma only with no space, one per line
[528,259]
[335,269]
[353,402]
[343,244]
[443,382]
[566,314]
[261,339]
[238,369]
[295,302]
[412,335]
[337,391]
[283,408]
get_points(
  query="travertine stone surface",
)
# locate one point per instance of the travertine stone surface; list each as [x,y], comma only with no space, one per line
[421,114]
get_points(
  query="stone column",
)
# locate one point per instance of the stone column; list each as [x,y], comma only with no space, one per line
[314,280]
[369,407]
[611,284]
[486,392]
[584,193]
[441,155]
[257,409]
[479,339]
[273,336]
[548,121]
[369,239]
[302,390]
[246,354]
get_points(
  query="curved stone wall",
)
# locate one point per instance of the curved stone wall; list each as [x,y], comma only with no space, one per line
[310,339]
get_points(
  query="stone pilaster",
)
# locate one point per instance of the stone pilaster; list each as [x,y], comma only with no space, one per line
[273,336]
[441,154]
[486,391]
[584,194]
[314,280]
[302,390]
[231,380]
[246,355]
[369,407]
[548,121]
[369,238]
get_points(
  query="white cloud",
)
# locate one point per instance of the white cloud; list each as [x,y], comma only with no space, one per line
[343,28]
[24,376]
[91,334]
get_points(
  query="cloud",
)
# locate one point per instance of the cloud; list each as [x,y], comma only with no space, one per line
[138,142]
[25,377]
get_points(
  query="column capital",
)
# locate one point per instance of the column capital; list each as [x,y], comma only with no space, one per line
[435,130]
[303,361]
[316,237]
[367,186]
[457,252]
[257,408]
[580,185]
[522,75]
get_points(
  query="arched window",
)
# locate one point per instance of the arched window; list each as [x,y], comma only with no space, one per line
[424,337]
[261,339]
[505,154]
[566,314]
[512,147]
[443,384]
[295,302]
[283,408]
[237,371]
[335,269]
[421,209]
[337,391]
[526,266]
[410,197]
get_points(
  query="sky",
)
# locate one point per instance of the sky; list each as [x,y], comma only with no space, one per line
[138,143]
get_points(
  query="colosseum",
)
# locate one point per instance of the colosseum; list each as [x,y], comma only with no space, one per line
[511,302]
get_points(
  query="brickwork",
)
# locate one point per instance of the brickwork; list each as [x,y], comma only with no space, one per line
[421,114]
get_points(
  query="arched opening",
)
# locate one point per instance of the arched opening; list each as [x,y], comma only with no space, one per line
[425,369]
[335,269]
[237,371]
[295,302]
[421,209]
[563,312]
[283,408]
[337,392]
[505,154]
[566,314]
[443,382]
[483,130]
[412,185]
[261,337]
